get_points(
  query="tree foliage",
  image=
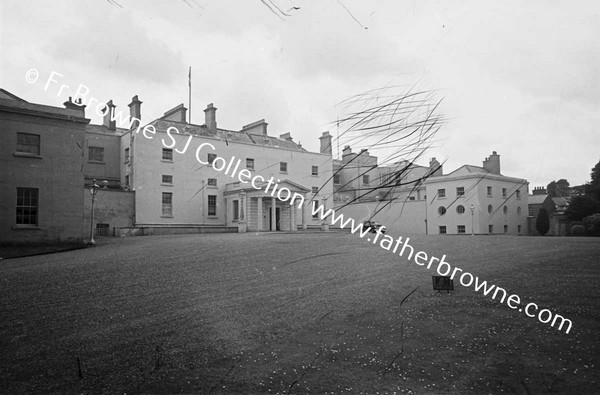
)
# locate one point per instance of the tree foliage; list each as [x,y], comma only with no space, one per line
[582,206]
[542,222]
[593,188]
[558,188]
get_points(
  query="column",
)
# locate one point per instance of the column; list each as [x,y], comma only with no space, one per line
[293,218]
[259,215]
[304,226]
[273,215]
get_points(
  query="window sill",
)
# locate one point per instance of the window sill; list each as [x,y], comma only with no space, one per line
[166,184]
[212,186]
[212,217]
[26,155]
[26,227]
[166,216]
[283,172]
[101,162]
[167,160]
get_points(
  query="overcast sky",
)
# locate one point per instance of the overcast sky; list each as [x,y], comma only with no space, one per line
[521,78]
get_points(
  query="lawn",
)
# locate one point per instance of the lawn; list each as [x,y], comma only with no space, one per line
[298,313]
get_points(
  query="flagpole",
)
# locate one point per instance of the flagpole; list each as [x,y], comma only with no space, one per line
[190,95]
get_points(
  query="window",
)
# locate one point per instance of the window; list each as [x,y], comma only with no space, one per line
[441,193]
[503,192]
[167,204]
[212,205]
[283,167]
[315,189]
[28,143]
[167,179]
[460,209]
[489,191]
[518,210]
[211,158]
[490,208]
[505,210]
[336,179]
[127,180]
[505,228]
[212,182]
[236,210]
[460,191]
[315,171]
[531,211]
[27,206]
[461,229]
[490,228]
[167,154]
[366,179]
[518,194]
[250,163]
[102,230]
[411,198]
[442,230]
[442,210]
[519,228]
[314,208]
[126,155]
[96,154]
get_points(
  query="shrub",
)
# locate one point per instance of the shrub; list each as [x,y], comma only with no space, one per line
[542,222]
[578,230]
[592,224]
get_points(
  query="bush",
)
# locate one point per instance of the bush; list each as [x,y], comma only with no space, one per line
[578,230]
[592,224]
[542,222]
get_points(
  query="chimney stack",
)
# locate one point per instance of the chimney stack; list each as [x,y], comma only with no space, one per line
[210,116]
[492,163]
[177,114]
[346,151]
[71,105]
[109,111]
[286,137]
[325,143]
[435,168]
[135,112]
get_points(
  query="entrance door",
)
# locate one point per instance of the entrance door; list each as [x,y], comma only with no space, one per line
[277,219]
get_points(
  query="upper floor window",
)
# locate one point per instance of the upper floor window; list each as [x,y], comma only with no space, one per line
[336,179]
[211,158]
[315,170]
[460,191]
[315,189]
[212,182]
[489,191]
[250,163]
[28,143]
[503,192]
[518,194]
[460,209]
[366,179]
[167,179]
[441,210]
[96,154]
[441,193]
[27,206]
[126,155]
[167,154]
[283,167]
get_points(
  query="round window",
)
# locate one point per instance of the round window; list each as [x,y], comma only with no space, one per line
[442,210]
[460,209]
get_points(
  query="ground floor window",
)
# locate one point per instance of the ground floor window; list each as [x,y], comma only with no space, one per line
[490,228]
[212,205]
[27,206]
[167,204]
[315,206]
[461,229]
[505,228]
[236,210]
[442,230]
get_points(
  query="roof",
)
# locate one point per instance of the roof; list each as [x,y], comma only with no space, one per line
[4,94]
[227,135]
[560,201]
[105,130]
[537,199]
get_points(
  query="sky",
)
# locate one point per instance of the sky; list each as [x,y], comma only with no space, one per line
[520,78]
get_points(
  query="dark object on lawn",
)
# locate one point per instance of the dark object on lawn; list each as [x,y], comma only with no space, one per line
[442,283]
[372,226]
[578,230]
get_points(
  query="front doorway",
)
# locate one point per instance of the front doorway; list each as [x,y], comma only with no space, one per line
[277,219]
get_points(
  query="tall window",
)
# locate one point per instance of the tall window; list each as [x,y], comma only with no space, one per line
[503,192]
[28,143]
[315,170]
[212,182]
[126,155]
[489,191]
[167,154]
[315,206]
[212,205]
[211,158]
[518,194]
[366,179]
[531,211]
[505,228]
[27,206]
[96,154]
[460,191]
[167,179]
[441,193]
[127,180]
[283,167]
[236,210]
[167,203]
[490,228]
[250,163]
[461,229]
[336,179]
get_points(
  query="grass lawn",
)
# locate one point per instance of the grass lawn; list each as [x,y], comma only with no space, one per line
[298,313]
